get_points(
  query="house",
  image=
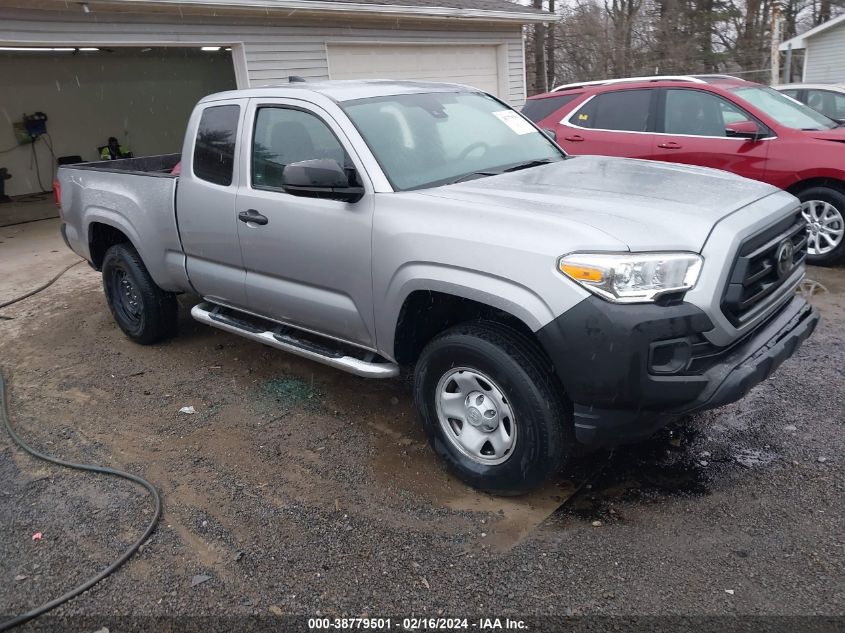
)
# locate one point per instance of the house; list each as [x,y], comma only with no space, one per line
[824,52]
[133,69]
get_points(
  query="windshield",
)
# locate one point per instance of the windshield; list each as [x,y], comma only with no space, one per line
[783,109]
[430,139]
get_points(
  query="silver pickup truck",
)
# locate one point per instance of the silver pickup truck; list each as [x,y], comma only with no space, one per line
[543,301]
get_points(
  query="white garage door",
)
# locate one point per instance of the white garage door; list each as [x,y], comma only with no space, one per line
[472,65]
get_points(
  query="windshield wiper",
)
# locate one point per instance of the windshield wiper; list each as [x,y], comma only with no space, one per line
[527,165]
[473,175]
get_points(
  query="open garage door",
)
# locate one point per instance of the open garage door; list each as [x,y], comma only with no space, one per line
[474,65]
[142,96]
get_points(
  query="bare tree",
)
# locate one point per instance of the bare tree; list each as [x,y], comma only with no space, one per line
[597,39]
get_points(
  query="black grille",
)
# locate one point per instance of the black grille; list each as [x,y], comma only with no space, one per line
[756,274]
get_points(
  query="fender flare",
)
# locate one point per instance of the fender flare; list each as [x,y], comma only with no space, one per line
[503,294]
[158,269]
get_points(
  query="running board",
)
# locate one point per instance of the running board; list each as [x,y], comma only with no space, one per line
[284,338]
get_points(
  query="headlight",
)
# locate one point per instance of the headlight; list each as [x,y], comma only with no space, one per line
[632,277]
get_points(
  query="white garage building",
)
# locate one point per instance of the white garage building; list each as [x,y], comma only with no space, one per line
[824,52]
[134,68]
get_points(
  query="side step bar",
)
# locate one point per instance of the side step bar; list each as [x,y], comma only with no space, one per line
[284,338]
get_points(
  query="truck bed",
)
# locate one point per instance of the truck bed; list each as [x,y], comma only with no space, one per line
[136,196]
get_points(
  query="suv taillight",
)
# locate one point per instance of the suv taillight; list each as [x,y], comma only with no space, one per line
[57,194]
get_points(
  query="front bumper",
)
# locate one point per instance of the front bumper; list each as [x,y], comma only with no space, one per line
[603,355]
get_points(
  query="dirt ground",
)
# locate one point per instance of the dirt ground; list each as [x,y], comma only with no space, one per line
[299,490]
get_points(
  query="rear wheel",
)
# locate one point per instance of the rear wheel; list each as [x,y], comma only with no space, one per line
[492,409]
[824,209]
[146,313]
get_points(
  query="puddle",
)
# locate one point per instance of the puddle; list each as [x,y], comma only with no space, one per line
[668,464]
[398,479]
[825,289]
[405,464]
[810,288]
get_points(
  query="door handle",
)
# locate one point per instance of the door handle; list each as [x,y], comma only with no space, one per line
[670,145]
[251,216]
[575,138]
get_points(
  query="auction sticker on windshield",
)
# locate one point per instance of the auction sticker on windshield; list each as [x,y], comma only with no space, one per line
[514,121]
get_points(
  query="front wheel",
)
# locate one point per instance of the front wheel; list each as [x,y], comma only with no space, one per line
[824,210]
[492,409]
[146,313]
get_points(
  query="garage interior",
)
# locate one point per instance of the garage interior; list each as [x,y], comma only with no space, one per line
[143,96]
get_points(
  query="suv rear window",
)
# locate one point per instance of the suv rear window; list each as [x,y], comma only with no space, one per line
[539,109]
[624,110]
[214,152]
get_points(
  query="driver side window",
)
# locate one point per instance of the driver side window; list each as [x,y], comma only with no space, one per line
[287,135]
[697,113]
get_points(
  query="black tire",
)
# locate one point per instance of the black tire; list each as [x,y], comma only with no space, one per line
[835,198]
[146,313]
[542,417]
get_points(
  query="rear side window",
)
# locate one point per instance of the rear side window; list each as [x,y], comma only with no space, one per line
[624,110]
[539,109]
[214,152]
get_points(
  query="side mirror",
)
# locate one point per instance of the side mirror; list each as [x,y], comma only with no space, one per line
[744,129]
[550,133]
[320,178]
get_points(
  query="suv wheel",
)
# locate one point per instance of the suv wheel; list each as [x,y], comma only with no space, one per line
[824,210]
[492,409]
[146,313]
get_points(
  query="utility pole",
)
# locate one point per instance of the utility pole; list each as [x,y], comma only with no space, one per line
[775,53]
[787,66]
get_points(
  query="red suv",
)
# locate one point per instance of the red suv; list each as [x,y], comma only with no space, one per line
[713,121]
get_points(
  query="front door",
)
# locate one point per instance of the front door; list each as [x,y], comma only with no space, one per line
[693,128]
[307,259]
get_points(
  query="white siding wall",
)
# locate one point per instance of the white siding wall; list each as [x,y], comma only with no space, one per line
[273,49]
[826,56]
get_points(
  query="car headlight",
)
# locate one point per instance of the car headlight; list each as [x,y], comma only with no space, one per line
[632,277]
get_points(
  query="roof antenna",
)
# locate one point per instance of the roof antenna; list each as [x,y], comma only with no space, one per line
[295,79]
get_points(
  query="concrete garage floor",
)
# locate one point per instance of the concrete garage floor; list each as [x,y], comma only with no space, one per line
[297,489]
[28,209]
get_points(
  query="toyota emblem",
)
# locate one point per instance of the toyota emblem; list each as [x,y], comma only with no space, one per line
[784,256]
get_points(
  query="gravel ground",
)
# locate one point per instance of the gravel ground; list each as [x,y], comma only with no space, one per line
[297,490]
